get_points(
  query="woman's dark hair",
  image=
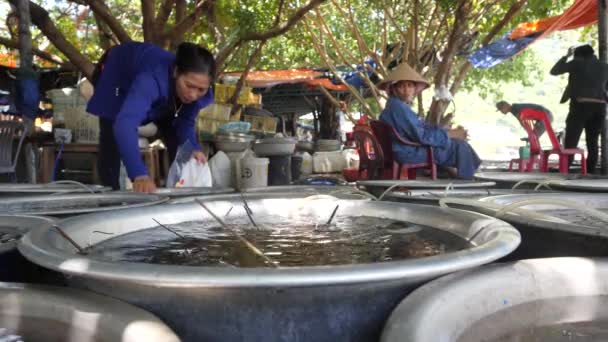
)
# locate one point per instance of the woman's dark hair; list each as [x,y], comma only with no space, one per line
[193,58]
[584,51]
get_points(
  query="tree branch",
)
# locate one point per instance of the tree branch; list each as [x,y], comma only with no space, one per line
[105,37]
[513,10]
[104,13]
[148,22]
[40,18]
[187,22]
[163,14]
[239,84]
[42,54]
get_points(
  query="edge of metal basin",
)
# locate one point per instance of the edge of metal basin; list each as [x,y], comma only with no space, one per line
[544,224]
[192,191]
[107,317]
[50,189]
[22,224]
[426,184]
[581,185]
[147,200]
[462,300]
[433,196]
[491,239]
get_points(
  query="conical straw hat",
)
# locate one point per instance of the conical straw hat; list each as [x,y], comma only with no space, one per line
[404,72]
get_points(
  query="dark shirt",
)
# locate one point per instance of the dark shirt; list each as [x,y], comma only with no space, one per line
[587,77]
[539,127]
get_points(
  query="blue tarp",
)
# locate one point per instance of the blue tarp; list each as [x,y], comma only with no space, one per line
[499,51]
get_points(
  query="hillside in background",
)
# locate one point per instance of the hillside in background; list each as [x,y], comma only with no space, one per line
[496,136]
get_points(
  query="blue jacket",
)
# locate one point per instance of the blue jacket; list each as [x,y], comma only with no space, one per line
[136,87]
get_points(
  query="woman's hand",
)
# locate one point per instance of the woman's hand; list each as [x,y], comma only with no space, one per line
[199,156]
[458,133]
[144,184]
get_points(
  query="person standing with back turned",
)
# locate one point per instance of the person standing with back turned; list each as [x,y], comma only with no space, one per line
[586,90]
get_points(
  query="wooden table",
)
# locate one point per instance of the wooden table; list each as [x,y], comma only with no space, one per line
[49,153]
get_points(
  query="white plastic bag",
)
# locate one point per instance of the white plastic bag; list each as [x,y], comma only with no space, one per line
[194,174]
[186,171]
[220,170]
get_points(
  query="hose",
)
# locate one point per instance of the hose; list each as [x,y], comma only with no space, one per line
[443,202]
[54,173]
[540,183]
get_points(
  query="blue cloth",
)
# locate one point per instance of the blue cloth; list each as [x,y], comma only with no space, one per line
[499,51]
[136,87]
[27,96]
[447,152]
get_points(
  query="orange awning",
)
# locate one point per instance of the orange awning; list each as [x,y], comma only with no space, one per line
[270,78]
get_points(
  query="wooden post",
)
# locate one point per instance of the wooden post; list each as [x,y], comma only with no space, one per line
[602,28]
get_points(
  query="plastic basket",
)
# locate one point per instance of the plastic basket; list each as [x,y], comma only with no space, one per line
[262,124]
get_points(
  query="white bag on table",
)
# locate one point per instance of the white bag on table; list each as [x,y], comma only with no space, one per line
[187,171]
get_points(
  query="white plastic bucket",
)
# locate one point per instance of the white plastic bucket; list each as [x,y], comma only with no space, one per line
[254,173]
[306,164]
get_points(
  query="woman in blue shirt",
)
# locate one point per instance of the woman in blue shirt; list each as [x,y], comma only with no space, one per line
[449,146]
[137,83]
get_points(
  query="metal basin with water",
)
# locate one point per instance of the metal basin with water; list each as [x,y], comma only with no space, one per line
[40,313]
[347,302]
[581,185]
[192,191]
[527,180]
[549,300]
[75,204]
[12,190]
[378,187]
[432,197]
[551,224]
[13,267]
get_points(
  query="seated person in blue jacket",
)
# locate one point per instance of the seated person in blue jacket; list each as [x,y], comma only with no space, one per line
[137,83]
[516,108]
[450,149]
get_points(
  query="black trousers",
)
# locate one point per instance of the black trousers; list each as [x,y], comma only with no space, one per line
[108,160]
[590,117]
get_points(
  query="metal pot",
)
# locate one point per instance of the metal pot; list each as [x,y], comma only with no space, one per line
[73,204]
[274,147]
[549,229]
[233,142]
[337,303]
[495,302]
[46,313]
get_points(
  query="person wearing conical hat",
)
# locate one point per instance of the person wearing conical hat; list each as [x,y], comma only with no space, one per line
[450,149]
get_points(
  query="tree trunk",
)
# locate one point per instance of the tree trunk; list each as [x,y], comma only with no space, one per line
[25,36]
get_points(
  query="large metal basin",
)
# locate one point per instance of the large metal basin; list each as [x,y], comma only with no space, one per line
[581,185]
[378,187]
[526,180]
[13,267]
[192,191]
[337,303]
[342,192]
[46,313]
[432,197]
[75,204]
[494,302]
[560,231]
[11,189]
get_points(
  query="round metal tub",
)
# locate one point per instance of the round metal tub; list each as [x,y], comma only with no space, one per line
[46,313]
[192,191]
[432,197]
[378,187]
[581,185]
[11,190]
[342,192]
[548,228]
[75,204]
[13,267]
[323,303]
[559,299]
[527,180]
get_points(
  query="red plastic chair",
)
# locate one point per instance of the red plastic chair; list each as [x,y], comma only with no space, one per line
[384,134]
[528,118]
[371,156]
